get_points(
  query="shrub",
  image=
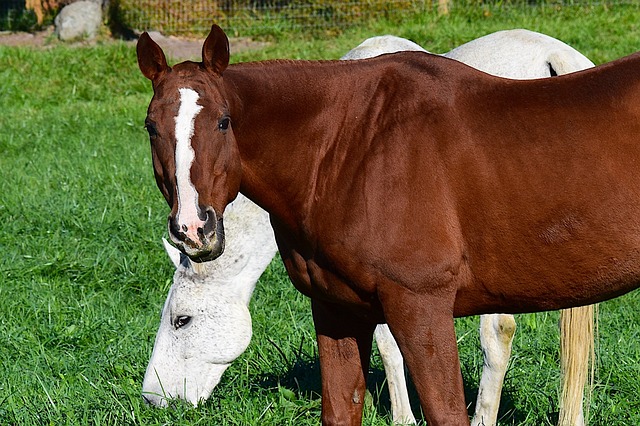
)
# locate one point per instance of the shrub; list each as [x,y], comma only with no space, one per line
[14,17]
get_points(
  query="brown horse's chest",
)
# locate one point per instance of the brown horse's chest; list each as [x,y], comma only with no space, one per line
[320,278]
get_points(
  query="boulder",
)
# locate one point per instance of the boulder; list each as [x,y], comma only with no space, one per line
[79,21]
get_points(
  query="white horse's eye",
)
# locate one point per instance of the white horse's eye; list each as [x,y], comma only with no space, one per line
[181,321]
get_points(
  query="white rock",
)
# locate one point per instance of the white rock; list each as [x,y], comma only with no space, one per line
[78,21]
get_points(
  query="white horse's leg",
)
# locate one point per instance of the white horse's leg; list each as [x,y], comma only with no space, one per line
[396,380]
[496,336]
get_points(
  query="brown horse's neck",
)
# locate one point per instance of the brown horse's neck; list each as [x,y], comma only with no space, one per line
[286,118]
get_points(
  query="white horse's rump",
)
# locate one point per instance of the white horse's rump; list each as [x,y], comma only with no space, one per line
[520,54]
[205,322]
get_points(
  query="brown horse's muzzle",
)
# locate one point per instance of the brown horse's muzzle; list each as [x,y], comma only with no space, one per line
[204,243]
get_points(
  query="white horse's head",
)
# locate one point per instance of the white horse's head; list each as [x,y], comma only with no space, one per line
[205,322]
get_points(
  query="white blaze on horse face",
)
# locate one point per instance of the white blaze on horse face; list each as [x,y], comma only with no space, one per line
[187,219]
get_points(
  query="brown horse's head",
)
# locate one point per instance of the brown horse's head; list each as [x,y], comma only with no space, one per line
[195,157]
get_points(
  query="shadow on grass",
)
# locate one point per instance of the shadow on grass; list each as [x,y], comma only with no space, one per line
[302,377]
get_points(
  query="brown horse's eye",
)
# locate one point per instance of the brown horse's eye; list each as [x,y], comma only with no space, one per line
[223,124]
[151,129]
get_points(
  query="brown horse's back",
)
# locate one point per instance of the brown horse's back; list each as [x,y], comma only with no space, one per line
[549,192]
[521,194]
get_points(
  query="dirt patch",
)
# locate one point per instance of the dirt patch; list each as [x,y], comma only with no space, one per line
[181,49]
[24,39]
[176,48]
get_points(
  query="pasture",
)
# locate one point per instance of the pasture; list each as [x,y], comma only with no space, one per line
[84,274]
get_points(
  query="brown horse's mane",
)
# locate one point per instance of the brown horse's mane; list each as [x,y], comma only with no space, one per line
[278,61]
[306,62]
[265,63]
[292,62]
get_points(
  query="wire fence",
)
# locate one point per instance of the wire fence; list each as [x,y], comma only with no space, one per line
[264,17]
[251,16]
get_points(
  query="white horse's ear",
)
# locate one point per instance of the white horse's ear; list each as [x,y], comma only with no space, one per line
[174,254]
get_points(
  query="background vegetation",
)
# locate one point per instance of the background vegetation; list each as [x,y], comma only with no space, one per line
[275,17]
[14,16]
[84,275]
[250,17]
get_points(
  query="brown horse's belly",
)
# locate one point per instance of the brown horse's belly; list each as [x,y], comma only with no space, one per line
[524,297]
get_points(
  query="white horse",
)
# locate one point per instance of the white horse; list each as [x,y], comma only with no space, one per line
[205,322]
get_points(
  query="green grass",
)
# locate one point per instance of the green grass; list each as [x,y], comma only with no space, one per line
[84,275]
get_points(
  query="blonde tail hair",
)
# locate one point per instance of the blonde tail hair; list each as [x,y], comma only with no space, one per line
[577,363]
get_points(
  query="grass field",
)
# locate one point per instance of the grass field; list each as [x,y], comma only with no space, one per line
[84,274]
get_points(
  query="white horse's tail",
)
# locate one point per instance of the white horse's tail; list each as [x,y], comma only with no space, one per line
[567,61]
[577,361]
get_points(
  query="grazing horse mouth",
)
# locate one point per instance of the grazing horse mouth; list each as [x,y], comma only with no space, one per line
[209,243]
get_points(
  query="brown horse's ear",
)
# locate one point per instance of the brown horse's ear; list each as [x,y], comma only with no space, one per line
[215,51]
[151,59]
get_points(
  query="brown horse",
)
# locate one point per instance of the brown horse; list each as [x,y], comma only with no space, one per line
[407,189]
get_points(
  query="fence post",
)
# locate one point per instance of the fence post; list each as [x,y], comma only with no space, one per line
[443,7]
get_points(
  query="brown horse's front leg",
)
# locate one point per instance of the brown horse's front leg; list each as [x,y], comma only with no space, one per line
[344,346]
[424,329]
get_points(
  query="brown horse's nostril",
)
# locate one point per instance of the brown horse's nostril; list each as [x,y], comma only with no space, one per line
[175,231]
[210,221]
[205,242]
